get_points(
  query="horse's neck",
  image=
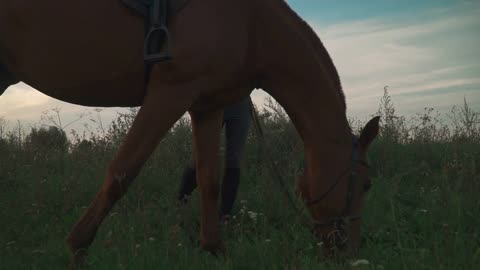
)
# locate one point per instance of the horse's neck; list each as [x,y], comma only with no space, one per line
[309,33]
[301,75]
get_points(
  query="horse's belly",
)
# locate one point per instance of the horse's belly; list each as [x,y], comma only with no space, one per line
[126,91]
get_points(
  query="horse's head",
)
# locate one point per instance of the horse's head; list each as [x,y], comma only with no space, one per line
[337,207]
[6,79]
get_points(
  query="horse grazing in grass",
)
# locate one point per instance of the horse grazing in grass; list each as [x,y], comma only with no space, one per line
[91,53]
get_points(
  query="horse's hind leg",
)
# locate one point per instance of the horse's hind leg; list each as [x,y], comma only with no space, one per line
[162,106]
[206,131]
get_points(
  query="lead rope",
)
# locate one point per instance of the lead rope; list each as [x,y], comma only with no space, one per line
[343,220]
[299,213]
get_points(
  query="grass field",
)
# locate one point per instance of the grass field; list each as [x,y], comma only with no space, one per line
[423,211]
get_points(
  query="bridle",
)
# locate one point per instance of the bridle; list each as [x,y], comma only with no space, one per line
[339,235]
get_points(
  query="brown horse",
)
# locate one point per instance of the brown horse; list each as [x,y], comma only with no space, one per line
[91,53]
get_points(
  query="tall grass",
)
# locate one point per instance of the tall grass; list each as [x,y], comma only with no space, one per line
[422,213]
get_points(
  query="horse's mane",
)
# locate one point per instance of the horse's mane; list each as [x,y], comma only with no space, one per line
[323,53]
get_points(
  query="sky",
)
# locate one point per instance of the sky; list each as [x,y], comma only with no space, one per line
[427,52]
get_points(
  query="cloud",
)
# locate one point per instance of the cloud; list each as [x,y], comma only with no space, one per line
[428,59]
[21,96]
[27,105]
[411,56]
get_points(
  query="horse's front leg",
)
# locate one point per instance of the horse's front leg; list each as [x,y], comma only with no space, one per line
[163,105]
[206,133]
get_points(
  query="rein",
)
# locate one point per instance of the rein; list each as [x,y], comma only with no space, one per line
[348,205]
[340,223]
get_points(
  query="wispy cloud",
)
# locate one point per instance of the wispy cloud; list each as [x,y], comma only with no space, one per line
[428,59]
[25,104]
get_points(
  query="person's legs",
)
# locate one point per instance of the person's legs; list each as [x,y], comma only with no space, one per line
[187,185]
[237,122]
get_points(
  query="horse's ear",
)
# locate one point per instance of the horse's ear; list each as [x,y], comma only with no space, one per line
[369,132]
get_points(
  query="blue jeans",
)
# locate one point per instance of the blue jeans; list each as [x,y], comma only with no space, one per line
[236,120]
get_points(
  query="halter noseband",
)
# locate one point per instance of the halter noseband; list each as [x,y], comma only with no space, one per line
[340,223]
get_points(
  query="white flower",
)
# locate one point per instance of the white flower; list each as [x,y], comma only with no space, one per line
[359,263]
[252,215]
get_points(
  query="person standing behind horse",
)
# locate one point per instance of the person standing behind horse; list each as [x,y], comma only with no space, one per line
[236,119]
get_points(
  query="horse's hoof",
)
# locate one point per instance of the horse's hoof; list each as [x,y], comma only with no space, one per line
[217,249]
[225,219]
[78,259]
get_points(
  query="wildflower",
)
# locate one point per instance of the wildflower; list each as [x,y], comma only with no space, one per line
[359,263]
